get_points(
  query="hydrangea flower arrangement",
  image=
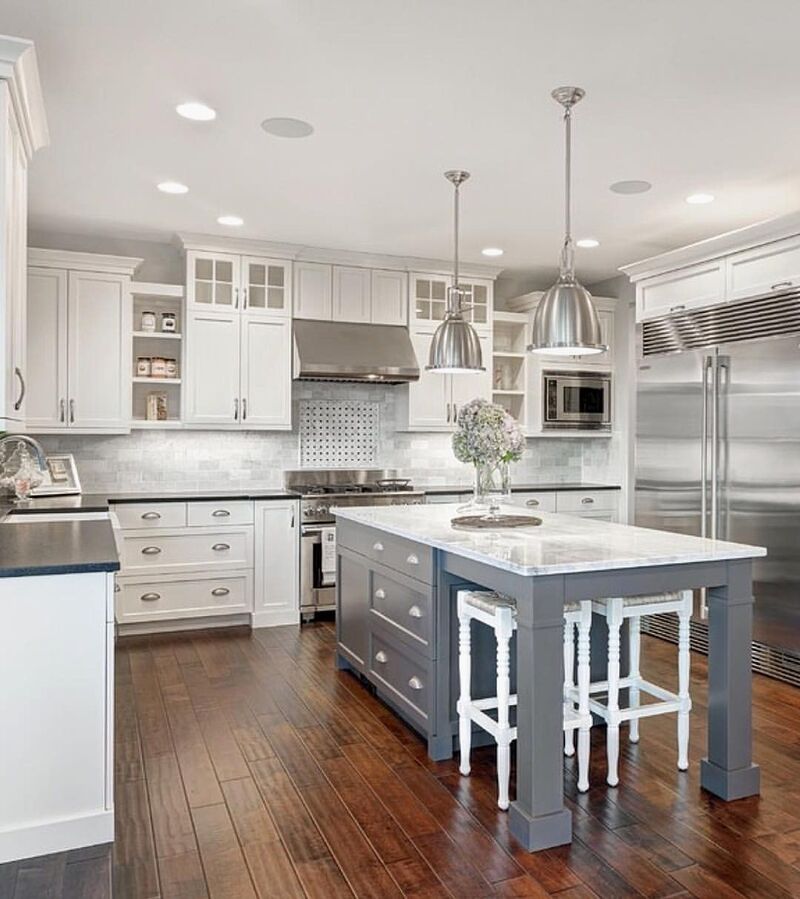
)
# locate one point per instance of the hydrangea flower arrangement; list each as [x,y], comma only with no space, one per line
[487,435]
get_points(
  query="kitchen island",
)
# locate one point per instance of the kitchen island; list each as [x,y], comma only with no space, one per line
[398,570]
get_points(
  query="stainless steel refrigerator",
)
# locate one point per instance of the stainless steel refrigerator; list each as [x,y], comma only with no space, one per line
[718,451]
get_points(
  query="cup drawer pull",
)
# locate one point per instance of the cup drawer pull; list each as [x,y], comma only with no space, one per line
[587,501]
[415,612]
[415,683]
[532,502]
[378,547]
[220,513]
[220,591]
[380,593]
[150,597]
[220,547]
[380,656]
[781,285]
[151,516]
[151,550]
[413,559]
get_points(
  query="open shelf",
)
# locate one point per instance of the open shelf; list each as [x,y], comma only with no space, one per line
[500,354]
[140,380]
[159,299]
[143,424]
[158,335]
[508,392]
[154,289]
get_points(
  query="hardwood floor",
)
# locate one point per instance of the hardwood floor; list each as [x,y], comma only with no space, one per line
[247,767]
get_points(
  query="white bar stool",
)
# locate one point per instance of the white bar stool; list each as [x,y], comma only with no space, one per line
[634,608]
[500,614]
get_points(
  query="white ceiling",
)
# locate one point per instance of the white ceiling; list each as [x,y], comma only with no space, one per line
[689,95]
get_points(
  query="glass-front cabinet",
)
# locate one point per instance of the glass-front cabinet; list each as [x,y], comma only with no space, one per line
[266,285]
[225,281]
[429,299]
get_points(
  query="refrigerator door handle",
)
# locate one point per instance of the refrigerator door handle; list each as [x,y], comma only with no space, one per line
[715,388]
[708,363]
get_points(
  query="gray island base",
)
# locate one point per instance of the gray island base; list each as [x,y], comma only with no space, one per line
[399,568]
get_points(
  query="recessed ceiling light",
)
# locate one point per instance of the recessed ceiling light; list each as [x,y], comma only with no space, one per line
[173,187]
[630,187]
[286,127]
[232,220]
[588,243]
[492,251]
[197,112]
[700,199]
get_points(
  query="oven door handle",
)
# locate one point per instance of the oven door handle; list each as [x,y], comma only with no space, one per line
[313,530]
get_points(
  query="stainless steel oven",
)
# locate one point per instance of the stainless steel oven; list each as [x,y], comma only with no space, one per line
[317,586]
[576,400]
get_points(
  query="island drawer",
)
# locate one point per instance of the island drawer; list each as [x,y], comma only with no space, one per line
[402,606]
[578,502]
[153,599]
[405,677]
[140,516]
[216,514]
[405,556]
[182,551]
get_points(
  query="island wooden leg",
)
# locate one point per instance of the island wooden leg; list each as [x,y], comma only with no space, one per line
[537,817]
[728,771]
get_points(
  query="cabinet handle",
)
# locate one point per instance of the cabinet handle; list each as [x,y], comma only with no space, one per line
[587,501]
[220,591]
[220,513]
[151,516]
[150,597]
[236,409]
[221,547]
[72,412]
[62,406]
[378,547]
[455,413]
[380,656]
[117,587]
[235,297]
[380,593]
[413,559]
[244,298]
[679,308]
[532,502]
[244,409]
[415,612]
[151,550]
[781,285]
[415,683]
[21,396]
[448,413]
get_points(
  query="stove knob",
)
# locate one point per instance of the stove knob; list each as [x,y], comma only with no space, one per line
[323,510]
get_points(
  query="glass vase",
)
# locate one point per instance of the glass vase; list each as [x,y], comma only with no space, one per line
[491,486]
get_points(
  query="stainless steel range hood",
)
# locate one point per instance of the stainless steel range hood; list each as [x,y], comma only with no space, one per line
[347,351]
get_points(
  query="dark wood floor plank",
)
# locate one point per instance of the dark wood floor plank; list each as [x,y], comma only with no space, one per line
[173,830]
[248,812]
[89,878]
[182,877]
[41,878]
[153,727]
[226,872]
[272,871]
[452,867]
[226,756]
[134,849]
[8,879]
[705,885]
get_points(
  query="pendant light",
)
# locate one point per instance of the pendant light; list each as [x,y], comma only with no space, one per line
[565,322]
[455,348]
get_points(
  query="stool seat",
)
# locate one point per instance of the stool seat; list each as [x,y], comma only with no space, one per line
[489,602]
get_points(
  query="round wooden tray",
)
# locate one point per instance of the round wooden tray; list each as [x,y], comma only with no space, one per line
[494,522]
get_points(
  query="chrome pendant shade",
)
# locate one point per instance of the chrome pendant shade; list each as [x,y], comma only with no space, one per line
[565,321]
[455,347]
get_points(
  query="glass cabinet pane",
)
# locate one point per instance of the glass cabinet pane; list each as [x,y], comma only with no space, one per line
[223,294]
[276,276]
[202,291]
[204,269]
[223,271]
[276,298]
[256,298]
[256,274]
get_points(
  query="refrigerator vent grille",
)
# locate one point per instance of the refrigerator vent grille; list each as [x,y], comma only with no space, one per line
[775,315]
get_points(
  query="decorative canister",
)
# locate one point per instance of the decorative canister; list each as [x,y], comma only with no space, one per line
[171,368]
[158,367]
[143,367]
[148,321]
[156,409]
[168,321]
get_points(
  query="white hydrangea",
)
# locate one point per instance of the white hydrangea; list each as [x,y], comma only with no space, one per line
[487,435]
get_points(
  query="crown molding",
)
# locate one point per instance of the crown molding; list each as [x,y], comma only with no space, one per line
[20,71]
[87,262]
[302,253]
[715,247]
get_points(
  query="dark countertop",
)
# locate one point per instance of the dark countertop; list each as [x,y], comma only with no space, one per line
[68,547]
[520,488]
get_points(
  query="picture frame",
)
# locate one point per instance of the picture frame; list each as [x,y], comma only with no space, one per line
[62,477]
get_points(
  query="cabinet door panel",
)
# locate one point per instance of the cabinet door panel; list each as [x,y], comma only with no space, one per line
[212,281]
[212,368]
[474,385]
[773,267]
[429,397]
[428,297]
[47,349]
[689,288]
[277,594]
[352,288]
[16,371]
[99,351]
[389,297]
[352,607]
[266,372]
[266,286]
[312,290]
[479,298]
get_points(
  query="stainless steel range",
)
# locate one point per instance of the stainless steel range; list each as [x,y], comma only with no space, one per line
[321,491]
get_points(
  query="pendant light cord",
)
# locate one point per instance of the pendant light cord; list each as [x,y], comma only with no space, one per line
[455,236]
[567,251]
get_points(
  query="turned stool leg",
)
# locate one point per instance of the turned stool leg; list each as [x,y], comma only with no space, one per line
[634,651]
[504,631]
[584,678]
[614,619]
[465,678]
[569,665]
[684,657]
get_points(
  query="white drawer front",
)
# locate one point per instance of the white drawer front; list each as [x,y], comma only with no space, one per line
[689,288]
[766,269]
[150,515]
[152,600]
[217,514]
[580,502]
[230,548]
[536,502]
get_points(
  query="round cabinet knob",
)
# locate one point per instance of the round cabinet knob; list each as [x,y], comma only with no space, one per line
[380,593]
[380,656]
[413,559]
[378,547]
[415,612]
[415,683]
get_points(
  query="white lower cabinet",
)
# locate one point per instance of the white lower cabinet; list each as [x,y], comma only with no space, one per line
[277,572]
[175,597]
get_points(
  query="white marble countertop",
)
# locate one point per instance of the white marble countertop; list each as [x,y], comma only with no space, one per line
[561,544]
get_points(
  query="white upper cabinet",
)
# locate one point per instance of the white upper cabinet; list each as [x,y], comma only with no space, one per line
[769,268]
[46,395]
[479,302]
[680,291]
[213,281]
[266,286]
[352,294]
[389,297]
[428,298]
[313,290]
[266,357]
[212,369]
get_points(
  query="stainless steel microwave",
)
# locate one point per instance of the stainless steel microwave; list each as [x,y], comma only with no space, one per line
[576,400]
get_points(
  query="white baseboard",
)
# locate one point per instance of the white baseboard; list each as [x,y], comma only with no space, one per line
[276,617]
[56,836]
[183,624]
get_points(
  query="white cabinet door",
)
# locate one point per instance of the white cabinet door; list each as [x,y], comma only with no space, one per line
[99,351]
[46,398]
[351,294]
[312,290]
[212,281]
[689,288]
[389,297]
[16,371]
[266,390]
[428,298]
[479,295]
[477,385]
[429,397]
[773,267]
[266,286]
[277,564]
[212,368]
